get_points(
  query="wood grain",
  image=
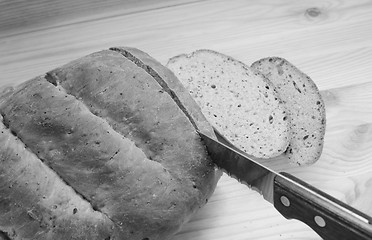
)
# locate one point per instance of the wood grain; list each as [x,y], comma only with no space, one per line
[330,40]
[23,16]
[243,30]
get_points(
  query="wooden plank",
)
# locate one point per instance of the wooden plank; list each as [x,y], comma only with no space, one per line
[329,40]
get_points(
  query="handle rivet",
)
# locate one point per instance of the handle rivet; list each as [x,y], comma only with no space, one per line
[285,201]
[320,221]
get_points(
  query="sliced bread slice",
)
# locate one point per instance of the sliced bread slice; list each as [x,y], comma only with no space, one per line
[237,100]
[305,107]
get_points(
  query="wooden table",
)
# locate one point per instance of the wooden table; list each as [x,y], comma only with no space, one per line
[329,40]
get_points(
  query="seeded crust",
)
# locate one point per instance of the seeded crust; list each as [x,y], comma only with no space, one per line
[237,100]
[97,149]
[305,107]
[170,84]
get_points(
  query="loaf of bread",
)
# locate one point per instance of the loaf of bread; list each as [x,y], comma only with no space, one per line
[305,107]
[103,148]
[237,100]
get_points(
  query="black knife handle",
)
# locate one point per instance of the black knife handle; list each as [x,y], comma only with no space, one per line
[329,217]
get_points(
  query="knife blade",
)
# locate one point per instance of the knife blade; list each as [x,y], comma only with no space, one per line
[292,197]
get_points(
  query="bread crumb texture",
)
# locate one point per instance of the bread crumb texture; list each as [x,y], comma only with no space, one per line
[97,150]
[305,107]
[237,100]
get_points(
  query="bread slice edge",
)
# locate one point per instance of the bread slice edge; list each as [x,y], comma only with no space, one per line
[295,88]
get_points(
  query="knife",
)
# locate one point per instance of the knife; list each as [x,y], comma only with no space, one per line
[292,197]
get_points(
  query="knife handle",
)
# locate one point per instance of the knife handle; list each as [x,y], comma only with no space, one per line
[329,217]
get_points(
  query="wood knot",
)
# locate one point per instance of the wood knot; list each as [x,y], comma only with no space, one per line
[313,12]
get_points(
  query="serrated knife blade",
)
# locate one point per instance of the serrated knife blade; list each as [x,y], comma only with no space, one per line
[292,197]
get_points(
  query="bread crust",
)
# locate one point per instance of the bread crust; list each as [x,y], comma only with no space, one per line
[106,130]
[171,84]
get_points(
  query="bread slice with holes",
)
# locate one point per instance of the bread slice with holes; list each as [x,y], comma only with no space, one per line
[237,100]
[305,107]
